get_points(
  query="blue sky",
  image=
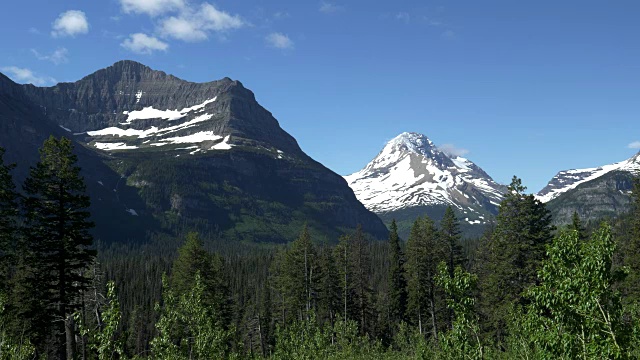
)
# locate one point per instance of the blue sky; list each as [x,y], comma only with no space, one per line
[525,88]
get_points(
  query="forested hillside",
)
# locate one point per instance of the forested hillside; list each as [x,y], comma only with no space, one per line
[525,289]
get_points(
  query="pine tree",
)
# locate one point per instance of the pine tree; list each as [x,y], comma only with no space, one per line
[361,280]
[631,257]
[341,254]
[450,232]
[57,240]
[329,287]
[424,252]
[8,226]
[353,264]
[514,254]
[396,279]
[193,258]
[576,224]
[298,277]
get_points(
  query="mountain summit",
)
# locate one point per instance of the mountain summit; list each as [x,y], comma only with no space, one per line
[412,176]
[179,154]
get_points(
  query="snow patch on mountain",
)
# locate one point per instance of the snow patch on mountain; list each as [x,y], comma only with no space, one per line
[570,179]
[152,131]
[150,112]
[114,146]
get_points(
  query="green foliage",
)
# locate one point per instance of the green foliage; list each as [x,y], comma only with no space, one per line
[574,311]
[307,340]
[12,347]
[463,340]
[105,340]
[187,328]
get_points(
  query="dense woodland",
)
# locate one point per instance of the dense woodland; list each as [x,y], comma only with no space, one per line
[525,289]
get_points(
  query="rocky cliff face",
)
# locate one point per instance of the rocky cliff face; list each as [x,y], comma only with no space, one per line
[205,155]
[593,193]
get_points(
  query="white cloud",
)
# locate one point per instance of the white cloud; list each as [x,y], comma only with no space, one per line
[279,40]
[182,29]
[634,145]
[404,17]
[143,44]
[26,76]
[151,7]
[196,25]
[59,56]
[329,8]
[453,150]
[281,15]
[70,23]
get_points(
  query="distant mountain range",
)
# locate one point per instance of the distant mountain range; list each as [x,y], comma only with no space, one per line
[594,193]
[163,154]
[167,154]
[411,177]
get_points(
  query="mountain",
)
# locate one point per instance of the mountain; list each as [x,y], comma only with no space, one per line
[23,129]
[593,193]
[411,177]
[196,155]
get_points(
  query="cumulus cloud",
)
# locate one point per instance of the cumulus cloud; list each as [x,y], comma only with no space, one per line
[70,23]
[453,150]
[634,145]
[26,76]
[329,8]
[58,56]
[151,7]
[279,41]
[143,44]
[196,24]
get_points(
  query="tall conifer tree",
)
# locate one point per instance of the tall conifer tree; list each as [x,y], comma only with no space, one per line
[192,259]
[57,237]
[8,227]
[424,252]
[450,231]
[514,253]
[397,280]
[631,285]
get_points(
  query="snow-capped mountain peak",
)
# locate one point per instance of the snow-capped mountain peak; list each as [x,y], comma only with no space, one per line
[410,141]
[570,179]
[411,171]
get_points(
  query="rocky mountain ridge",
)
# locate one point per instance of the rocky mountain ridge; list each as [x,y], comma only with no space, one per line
[200,155]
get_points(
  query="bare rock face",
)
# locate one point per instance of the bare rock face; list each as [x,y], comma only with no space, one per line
[201,154]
